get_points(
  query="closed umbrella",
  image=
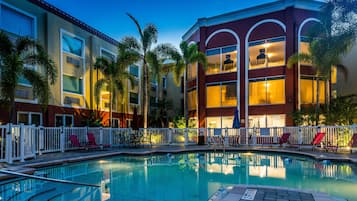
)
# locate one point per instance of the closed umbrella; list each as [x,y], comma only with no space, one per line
[236,123]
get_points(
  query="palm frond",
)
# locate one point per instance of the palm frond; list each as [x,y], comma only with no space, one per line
[129,43]
[136,23]
[39,85]
[149,37]
[6,45]
[98,88]
[298,57]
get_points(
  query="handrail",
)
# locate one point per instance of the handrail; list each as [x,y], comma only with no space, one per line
[48,179]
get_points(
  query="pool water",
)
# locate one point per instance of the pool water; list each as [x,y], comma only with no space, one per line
[196,176]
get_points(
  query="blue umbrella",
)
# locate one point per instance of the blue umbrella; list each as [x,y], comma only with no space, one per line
[236,123]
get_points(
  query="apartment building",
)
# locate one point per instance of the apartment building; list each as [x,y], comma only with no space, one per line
[247,52]
[74,46]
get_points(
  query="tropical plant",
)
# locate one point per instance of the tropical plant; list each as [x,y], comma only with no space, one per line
[329,42]
[143,47]
[17,61]
[189,55]
[342,110]
[115,74]
[159,118]
[92,119]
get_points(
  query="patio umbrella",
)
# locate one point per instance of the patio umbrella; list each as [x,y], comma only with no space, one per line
[236,123]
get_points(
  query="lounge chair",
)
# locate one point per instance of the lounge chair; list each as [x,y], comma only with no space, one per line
[75,143]
[216,138]
[284,138]
[317,139]
[353,143]
[92,142]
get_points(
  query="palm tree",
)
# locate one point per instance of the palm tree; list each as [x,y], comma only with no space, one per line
[328,44]
[147,37]
[15,57]
[115,74]
[190,55]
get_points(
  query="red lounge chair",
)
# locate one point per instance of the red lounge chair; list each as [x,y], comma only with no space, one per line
[353,142]
[317,139]
[92,142]
[74,141]
[284,138]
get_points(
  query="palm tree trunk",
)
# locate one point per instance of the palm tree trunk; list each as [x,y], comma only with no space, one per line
[13,110]
[111,103]
[185,96]
[317,108]
[146,95]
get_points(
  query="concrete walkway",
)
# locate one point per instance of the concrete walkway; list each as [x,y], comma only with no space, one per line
[266,193]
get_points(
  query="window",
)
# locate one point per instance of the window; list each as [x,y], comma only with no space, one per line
[16,23]
[192,71]
[115,123]
[308,90]
[107,55]
[128,123]
[164,82]
[29,118]
[64,120]
[72,84]
[134,70]
[220,122]
[267,53]
[73,69]
[266,121]
[333,75]
[192,99]
[304,48]
[72,45]
[221,60]
[222,95]
[134,98]
[267,91]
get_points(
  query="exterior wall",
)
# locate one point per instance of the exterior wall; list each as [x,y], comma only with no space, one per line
[285,23]
[48,28]
[346,85]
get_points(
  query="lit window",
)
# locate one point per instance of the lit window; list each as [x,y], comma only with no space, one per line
[220,122]
[308,90]
[221,60]
[333,75]
[266,121]
[192,71]
[222,95]
[192,99]
[267,91]
[267,53]
[304,48]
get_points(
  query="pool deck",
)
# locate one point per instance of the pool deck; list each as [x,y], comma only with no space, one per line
[81,155]
[267,193]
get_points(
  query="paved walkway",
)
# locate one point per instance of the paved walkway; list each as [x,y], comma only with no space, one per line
[265,193]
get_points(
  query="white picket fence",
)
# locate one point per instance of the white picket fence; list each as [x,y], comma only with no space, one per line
[20,142]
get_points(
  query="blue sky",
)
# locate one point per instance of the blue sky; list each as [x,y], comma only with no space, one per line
[172,17]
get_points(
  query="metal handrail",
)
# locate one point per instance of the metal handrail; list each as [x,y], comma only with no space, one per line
[48,179]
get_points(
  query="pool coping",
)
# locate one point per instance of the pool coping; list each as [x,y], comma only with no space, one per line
[317,155]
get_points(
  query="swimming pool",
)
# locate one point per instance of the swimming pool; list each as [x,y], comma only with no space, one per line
[196,176]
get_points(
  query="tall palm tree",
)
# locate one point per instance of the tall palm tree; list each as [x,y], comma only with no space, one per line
[115,74]
[14,57]
[190,55]
[147,38]
[329,43]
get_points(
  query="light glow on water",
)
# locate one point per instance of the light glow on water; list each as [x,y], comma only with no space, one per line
[192,176]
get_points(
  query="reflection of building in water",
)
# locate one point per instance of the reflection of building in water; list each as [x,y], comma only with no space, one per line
[267,166]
